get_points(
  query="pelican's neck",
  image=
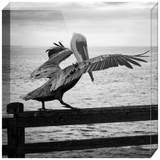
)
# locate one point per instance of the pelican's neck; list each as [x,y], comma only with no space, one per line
[73,47]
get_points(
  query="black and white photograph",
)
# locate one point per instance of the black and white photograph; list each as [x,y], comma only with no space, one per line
[79,79]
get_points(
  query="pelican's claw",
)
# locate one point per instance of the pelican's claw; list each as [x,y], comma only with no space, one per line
[73,108]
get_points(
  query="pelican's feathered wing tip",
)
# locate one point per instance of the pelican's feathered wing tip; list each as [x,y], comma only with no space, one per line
[142,54]
[56,49]
[56,44]
[61,44]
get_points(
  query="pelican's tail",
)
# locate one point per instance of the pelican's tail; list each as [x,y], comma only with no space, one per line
[25,97]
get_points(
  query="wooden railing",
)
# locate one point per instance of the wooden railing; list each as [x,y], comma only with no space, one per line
[18,120]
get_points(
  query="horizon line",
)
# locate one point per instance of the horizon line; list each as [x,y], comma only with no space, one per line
[88,46]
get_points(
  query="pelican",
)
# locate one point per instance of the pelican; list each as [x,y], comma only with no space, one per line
[62,80]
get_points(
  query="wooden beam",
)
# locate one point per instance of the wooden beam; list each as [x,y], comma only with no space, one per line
[68,112]
[86,144]
[87,116]
[83,116]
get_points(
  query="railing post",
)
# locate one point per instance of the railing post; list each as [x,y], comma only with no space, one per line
[16,135]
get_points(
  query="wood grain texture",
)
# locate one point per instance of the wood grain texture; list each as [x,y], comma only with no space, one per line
[83,116]
[86,144]
[88,116]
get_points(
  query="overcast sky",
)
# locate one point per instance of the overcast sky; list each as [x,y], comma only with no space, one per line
[103,24]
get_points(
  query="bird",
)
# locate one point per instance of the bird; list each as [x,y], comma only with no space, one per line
[62,80]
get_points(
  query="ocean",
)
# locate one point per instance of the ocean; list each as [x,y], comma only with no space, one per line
[114,87]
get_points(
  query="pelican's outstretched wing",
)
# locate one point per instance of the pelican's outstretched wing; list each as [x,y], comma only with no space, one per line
[51,67]
[102,62]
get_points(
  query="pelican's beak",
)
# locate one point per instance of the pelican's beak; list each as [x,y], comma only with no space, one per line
[80,50]
[83,51]
[91,75]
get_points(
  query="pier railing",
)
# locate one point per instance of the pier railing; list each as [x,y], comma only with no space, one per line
[18,120]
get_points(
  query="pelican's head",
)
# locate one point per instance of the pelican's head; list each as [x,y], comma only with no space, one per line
[79,48]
